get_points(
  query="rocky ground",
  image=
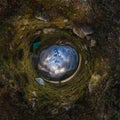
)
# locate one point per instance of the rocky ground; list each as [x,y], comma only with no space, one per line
[92,27]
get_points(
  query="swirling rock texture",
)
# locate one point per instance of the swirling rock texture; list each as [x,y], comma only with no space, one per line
[93,92]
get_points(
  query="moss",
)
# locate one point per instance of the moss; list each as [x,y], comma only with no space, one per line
[18,84]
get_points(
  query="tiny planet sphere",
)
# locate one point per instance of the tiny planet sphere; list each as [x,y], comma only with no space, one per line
[58,61]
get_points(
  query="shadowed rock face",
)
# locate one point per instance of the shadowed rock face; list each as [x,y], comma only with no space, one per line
[58,61]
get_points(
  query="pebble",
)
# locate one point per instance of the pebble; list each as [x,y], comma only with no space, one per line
[21,37]
[34,100]
[93,43]
[34,94]
[65,20]
[49,30]
[10,47]
[69,27]
[19,17]
[86,62]
[67,108]
[85,47]
[38,32]
[41,18]
[40,81]
[23,28]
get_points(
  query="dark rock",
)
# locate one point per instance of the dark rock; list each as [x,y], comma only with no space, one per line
[83,31]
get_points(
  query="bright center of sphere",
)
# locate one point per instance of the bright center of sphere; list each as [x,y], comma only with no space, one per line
[58,61]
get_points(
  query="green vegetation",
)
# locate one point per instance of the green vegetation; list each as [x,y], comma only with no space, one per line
[91,94]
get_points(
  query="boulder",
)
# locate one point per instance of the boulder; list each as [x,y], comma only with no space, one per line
[83,31]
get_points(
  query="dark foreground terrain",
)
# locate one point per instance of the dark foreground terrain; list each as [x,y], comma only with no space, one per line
[92,27]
